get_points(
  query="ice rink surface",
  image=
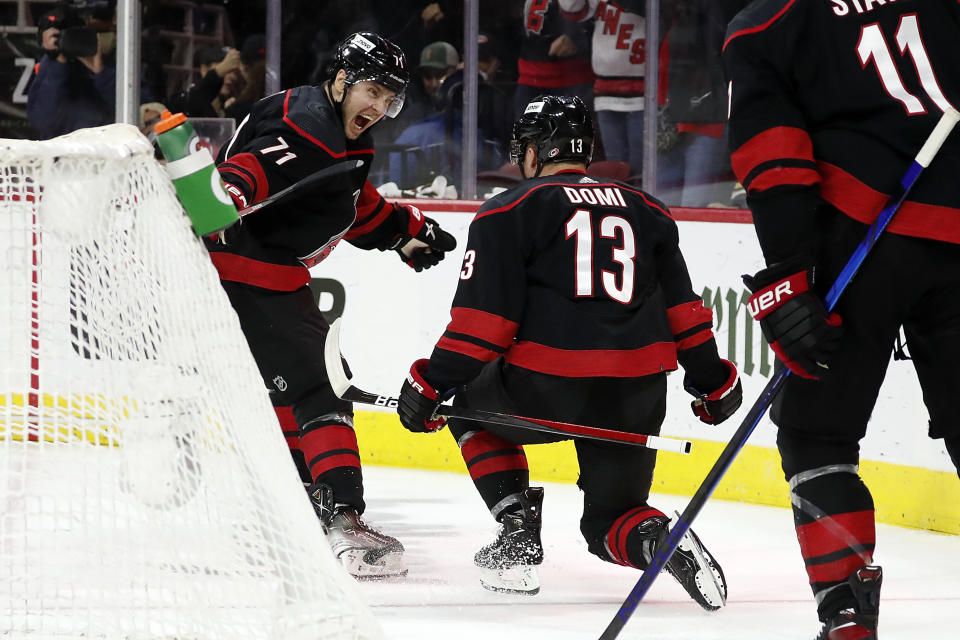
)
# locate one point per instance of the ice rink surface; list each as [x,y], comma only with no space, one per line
[441,521]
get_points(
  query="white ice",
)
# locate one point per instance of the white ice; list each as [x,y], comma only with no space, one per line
[441,520]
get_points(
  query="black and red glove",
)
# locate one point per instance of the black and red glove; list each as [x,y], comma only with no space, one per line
[424,244]
[792,317]
[418,401]
[721,403]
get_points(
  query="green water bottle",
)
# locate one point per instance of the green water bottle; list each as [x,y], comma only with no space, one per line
[194,176]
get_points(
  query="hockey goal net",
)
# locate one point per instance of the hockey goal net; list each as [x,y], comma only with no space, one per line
[145,487]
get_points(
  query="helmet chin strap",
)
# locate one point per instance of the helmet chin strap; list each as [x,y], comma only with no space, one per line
[337,104]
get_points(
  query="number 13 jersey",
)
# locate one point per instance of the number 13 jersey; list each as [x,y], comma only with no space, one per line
[574,277]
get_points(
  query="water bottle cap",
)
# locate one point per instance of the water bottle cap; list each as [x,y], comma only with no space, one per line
[169,121]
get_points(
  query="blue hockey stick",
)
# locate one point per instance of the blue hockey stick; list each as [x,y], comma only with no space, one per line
[703,493]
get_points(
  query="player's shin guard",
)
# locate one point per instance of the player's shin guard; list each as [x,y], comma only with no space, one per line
[498,467]
[329,445]
[834,519]
[635,537]
[291,433]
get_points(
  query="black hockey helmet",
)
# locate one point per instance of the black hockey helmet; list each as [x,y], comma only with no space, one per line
[559,127]
[367,56]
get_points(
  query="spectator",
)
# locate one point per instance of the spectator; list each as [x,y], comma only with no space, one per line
[150,113]
[697,166]
[618,57]
[75,81]
[253,70]
[218,67]
[438,140]
[554,56]
[495,109]
[437,60]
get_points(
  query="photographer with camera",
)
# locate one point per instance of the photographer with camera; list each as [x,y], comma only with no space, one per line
[74,83]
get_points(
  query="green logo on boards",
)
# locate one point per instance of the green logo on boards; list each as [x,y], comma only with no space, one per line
[745,345]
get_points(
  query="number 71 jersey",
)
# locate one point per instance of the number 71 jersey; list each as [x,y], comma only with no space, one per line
[570,276]
[837,97]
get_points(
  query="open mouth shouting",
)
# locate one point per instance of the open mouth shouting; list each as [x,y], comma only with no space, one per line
[361,122]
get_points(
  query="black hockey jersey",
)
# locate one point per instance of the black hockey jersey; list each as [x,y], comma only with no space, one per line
[574,277]
[287,137]
[833,99]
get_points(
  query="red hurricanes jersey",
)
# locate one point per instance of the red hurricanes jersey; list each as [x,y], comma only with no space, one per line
[287,137]
[833,99]
[570,276]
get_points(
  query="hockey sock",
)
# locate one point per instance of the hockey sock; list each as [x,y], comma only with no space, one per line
[291,432]
[329,445]
[498,468]
[834,519]
[632,539]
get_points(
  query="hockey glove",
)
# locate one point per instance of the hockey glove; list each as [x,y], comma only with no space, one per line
[715,407]
[792,317]
[417,402]
[424,244]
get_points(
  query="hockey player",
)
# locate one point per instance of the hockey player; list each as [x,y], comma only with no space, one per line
[573,304]
[263,265]
[829,103]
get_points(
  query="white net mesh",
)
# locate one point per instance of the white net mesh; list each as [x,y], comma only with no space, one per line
[145,487]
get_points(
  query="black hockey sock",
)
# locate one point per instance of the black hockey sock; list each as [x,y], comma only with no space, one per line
[498,468]
[633,537]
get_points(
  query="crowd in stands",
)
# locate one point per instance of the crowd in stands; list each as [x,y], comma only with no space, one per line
[595,50]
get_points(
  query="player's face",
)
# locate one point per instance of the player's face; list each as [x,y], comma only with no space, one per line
[364,105]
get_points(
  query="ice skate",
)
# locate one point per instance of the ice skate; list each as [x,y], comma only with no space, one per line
[859,622]
[691,564]
[509,563]
[364,552]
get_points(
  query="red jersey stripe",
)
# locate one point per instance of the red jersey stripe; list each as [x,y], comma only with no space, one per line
[688,315]
[236,268]
[778,176]
[696,339]
[593,363]
[483,325]
[778,143]
[860,202]
[246,160]
[369,199]
[467,348]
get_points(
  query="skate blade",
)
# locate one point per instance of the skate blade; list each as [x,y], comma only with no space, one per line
[708,579]
[390,565]
[521,579]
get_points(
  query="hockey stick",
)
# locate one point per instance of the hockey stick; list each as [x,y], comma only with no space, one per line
[346,391]
[660,558]
[302,185]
